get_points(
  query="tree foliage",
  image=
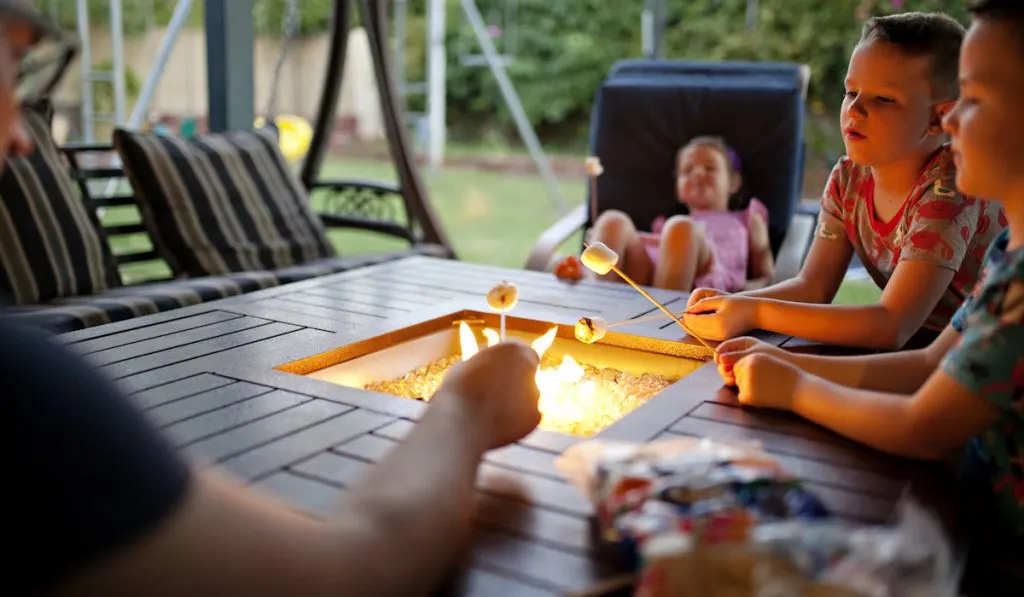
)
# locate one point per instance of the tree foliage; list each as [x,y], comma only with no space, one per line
[566,47]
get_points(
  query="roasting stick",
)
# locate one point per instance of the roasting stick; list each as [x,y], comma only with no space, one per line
[594,169]
[598,257]
[644,319]
[502,298]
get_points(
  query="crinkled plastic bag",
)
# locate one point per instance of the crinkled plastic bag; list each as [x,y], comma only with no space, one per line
[582,463]
[794,558]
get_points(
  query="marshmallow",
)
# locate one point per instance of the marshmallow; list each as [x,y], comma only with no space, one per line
[591,329]
[503,297]
[599,258]
[593,166]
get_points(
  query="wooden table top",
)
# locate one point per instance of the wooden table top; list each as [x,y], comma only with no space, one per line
[205,375]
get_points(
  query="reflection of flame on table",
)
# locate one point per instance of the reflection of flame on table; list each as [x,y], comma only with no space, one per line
[575,398]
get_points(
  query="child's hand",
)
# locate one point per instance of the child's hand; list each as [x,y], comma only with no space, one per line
[722,317]
[767,381]
[700,294]
[729,352]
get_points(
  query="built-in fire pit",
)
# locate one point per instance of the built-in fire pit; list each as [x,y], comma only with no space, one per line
[584,387]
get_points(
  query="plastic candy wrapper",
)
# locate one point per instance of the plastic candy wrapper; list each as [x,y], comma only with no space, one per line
[698,517]
[713,491]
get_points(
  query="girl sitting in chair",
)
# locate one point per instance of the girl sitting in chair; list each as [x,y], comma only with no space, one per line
[713,246]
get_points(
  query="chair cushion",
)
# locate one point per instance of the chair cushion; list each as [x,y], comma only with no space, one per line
[221,203]
[646,110]
[333,265]
[51,244]
[128,302]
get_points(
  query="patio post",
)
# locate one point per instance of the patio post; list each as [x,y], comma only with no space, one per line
[229,64]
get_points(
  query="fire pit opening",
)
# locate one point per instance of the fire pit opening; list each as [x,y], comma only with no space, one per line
[584,387]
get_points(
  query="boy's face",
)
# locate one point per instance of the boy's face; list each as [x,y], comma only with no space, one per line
[986,123]
[889,112]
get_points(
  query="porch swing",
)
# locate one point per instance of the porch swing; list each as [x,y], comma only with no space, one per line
[294,132]
[176,270]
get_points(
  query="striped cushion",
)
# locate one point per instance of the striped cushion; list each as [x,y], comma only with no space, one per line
[221,203]
[135,301]
[51,245]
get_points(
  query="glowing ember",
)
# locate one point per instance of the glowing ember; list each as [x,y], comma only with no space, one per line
[575,398]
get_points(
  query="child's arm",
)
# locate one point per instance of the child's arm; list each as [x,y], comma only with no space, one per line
[941,417]
[899,372]
[907,301]
[978,378]
[762,264]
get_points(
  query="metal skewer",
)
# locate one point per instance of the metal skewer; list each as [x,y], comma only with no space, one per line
[658,305]
[644,319]
[662,307]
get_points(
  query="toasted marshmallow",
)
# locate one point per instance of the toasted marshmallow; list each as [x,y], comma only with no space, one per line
[591,329]
[503,297]
[599,258]
[593,166]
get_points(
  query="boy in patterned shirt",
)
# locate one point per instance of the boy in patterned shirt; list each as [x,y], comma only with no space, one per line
[892,200]
[967,388]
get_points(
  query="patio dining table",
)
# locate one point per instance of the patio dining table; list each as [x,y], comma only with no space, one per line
[208,376]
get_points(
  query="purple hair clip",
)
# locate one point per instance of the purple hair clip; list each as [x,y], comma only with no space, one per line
[737,163]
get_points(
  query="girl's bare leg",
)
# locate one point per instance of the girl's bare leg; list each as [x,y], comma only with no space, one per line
[616,230]
[684,254]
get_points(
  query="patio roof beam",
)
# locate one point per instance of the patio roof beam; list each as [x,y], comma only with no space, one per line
[229,62]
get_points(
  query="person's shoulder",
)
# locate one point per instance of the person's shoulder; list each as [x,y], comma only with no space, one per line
[1014,257]
[939,176]
[845,169]
[848,176]
[936,196]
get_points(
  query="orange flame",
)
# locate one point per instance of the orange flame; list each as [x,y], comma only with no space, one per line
[467,341]
[542,344]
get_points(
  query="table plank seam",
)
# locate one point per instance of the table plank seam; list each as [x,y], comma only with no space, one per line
[239,310]
[117,354]
[289,329]
[227,380]
[220,432]
[77,345]
[348,298]
[289,299]
[261,391]
[288,466]
[810,454]
[268,441]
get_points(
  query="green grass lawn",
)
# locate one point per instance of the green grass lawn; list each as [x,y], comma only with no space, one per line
[491,218]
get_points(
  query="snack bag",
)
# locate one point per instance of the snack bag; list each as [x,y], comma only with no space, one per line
[714,492]
[698,517]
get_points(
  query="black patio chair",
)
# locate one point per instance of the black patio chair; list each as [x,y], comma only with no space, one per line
[646,109]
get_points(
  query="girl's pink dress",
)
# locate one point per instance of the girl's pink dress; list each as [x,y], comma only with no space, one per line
[728,236]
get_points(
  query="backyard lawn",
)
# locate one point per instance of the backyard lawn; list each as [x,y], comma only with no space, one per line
[491,218]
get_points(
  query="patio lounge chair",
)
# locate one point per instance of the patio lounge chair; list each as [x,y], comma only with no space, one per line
[646,109]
